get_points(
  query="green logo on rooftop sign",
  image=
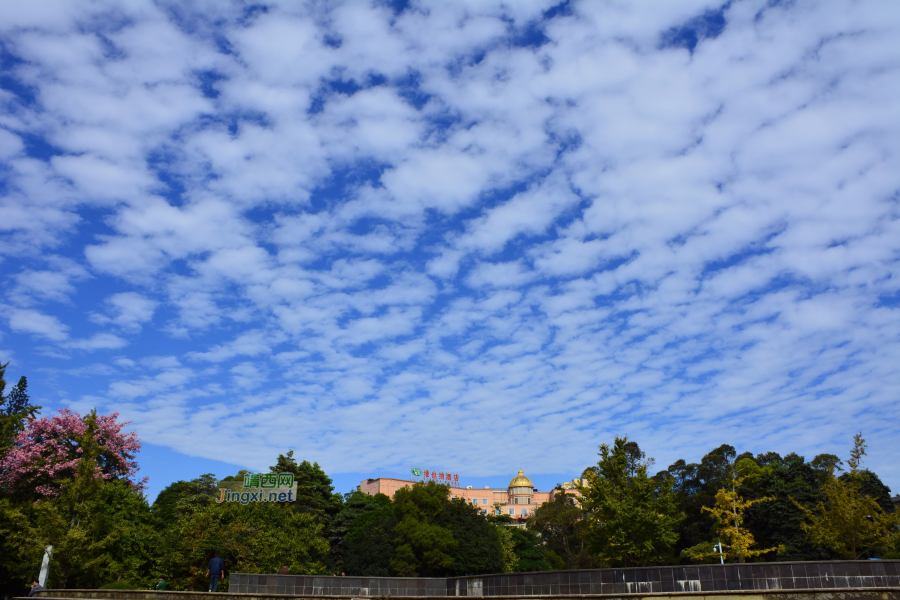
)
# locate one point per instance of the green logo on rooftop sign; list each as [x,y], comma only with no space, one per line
[262,487]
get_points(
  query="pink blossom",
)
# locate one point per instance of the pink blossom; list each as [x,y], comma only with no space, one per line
[47,451]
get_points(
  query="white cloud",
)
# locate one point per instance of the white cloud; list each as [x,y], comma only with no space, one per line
[130,310]
[55,284]
[251,343]
[10,144]
[412,223]
[37,323]
[99,341]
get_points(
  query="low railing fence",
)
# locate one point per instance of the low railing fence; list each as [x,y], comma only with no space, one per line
[644,580]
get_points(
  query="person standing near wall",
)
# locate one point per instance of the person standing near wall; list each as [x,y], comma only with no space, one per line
[215,572]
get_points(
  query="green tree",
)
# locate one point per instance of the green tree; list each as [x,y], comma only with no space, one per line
[183,496]
[528,551]
[255,538]
[356,504]
[632,518]
[695,486]
[100,529]
[825,466]
[509,561]
[561,528]
[15,410]
[477,547]
[871,485]
[133,542]
[315,493]
[369,545]
[778,523]
[848,521]
[422,548]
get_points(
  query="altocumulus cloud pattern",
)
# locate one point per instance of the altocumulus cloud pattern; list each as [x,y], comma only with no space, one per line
[473,235]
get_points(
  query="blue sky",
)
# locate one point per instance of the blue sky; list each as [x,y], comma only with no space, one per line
[470,236]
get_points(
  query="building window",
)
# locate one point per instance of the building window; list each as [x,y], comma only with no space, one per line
[484,501]
[512,511]
[524,511]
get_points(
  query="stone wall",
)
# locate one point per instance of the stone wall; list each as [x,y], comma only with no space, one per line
[701,578]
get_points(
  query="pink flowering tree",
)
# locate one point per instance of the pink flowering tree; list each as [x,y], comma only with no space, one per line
[48,453]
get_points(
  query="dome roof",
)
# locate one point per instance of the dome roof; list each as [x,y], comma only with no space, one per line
[520,481]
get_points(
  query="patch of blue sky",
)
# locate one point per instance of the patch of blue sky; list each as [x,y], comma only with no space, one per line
[208,80]
[889,300]
[235,121]
[328,88]
[708,25]
[11,82]
[530,36]
[409,87]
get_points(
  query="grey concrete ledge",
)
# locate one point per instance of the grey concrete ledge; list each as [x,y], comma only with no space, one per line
[699,579]
[834,579]
[887,593]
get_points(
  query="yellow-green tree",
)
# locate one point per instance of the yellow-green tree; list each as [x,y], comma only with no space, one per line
[849,522]
[736,540]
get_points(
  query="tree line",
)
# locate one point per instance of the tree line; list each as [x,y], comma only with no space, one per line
[70,481]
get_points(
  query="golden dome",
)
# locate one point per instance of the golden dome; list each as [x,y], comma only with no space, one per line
[520,481]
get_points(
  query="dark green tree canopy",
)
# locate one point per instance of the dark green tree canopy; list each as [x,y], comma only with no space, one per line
[422,548]
[15,409]
[182,497]
[315,493]
[477,548]
[872,486]
[368,547]
[356,506]
[529,553]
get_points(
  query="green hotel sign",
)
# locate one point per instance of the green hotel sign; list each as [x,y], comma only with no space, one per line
[262,487]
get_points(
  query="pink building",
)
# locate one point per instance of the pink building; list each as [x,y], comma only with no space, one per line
[518,499]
